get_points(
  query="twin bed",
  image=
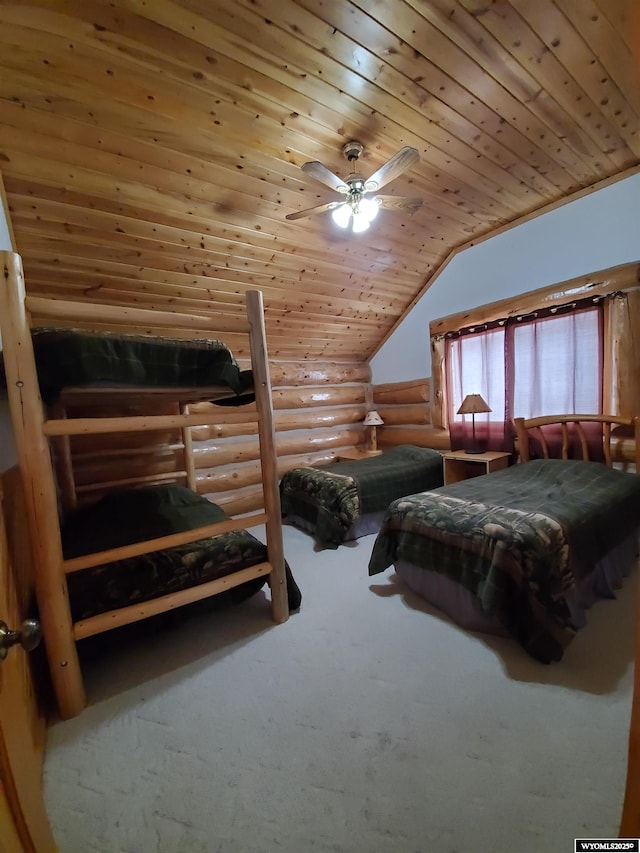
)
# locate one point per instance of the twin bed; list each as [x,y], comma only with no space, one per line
[524,551]
[341,501]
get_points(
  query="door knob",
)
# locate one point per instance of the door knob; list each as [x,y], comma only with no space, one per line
[28,636]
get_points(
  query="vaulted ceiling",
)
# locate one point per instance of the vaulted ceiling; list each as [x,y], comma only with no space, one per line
[151,149]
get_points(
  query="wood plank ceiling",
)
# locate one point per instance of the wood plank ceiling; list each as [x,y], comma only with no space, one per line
[151,149]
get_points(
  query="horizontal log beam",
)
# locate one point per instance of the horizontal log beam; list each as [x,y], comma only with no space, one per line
[286,421]
[86,426]
[622,277]
[319,373]
[237,503]
[227,453]
[136,612]
[438,439]
[61,309]
[100,558]
[402,392]
[230,478]
[129,467]
[405,415]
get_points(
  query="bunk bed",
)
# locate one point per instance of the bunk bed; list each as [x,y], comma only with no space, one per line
[142,548]
[525,551]
[341,501]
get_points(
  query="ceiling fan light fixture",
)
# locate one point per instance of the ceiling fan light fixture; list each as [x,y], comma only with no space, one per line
[358,209]
[360,223]
[368,208]
[342,215]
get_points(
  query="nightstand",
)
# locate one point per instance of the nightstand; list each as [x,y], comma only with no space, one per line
[458,465]
[353,455]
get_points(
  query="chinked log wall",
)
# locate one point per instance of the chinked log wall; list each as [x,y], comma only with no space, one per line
[318,413]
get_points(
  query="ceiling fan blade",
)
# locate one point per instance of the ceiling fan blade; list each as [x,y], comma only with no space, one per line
[398,164]
[396,202]
[310,211]
[321,173]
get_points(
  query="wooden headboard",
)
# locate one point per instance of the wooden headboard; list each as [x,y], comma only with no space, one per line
[527,428]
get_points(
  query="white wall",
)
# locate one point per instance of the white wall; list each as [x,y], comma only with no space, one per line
[8,456]
[592,233]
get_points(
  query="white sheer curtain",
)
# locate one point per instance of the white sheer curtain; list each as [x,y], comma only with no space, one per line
[557,365]
[547,364]
[475,365]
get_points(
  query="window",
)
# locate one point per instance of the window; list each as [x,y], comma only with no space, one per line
[543,364]
[475,364]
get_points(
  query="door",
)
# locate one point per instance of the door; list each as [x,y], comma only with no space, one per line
[24,825]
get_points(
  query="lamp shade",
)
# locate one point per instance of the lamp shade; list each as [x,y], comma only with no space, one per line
[373,419]
[473,404]
[356,211]
[342,215]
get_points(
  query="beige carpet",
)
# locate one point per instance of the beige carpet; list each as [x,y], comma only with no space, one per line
[367,723]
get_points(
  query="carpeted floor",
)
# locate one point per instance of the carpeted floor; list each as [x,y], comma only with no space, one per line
[367,723]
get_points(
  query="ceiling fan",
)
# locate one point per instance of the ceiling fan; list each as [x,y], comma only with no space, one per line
[360,203]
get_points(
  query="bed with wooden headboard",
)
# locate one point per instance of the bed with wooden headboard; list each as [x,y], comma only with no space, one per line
[527,550]
[140,545]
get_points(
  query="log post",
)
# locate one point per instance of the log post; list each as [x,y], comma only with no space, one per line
[268,457]
[38,481]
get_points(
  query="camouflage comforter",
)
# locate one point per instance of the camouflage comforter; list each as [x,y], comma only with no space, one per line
[329,499]
[518,539]
[68,357]
[134,515]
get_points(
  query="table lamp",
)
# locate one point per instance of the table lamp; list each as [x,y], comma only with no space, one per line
[473,405]
[372,420]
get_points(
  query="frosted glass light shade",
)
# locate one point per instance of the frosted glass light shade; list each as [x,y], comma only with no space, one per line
[360,223]
[341,215]
[358,214]
[368,208]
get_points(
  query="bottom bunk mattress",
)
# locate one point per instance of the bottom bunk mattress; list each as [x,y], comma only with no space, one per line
[522,551]
[135,515]
[343,500]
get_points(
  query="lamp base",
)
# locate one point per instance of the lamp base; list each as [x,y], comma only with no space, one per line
[473,449]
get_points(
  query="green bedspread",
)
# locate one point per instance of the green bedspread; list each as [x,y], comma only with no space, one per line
[66,357]
[134,515]
[332,497]
[517,539]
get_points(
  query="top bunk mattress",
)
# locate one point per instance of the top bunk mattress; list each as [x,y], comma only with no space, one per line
[199,369]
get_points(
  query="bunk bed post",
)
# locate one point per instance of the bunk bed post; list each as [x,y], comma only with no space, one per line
[268,455]
[36,470]
[187,442]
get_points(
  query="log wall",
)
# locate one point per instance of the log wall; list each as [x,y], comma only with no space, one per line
[318,411]
[406,409]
